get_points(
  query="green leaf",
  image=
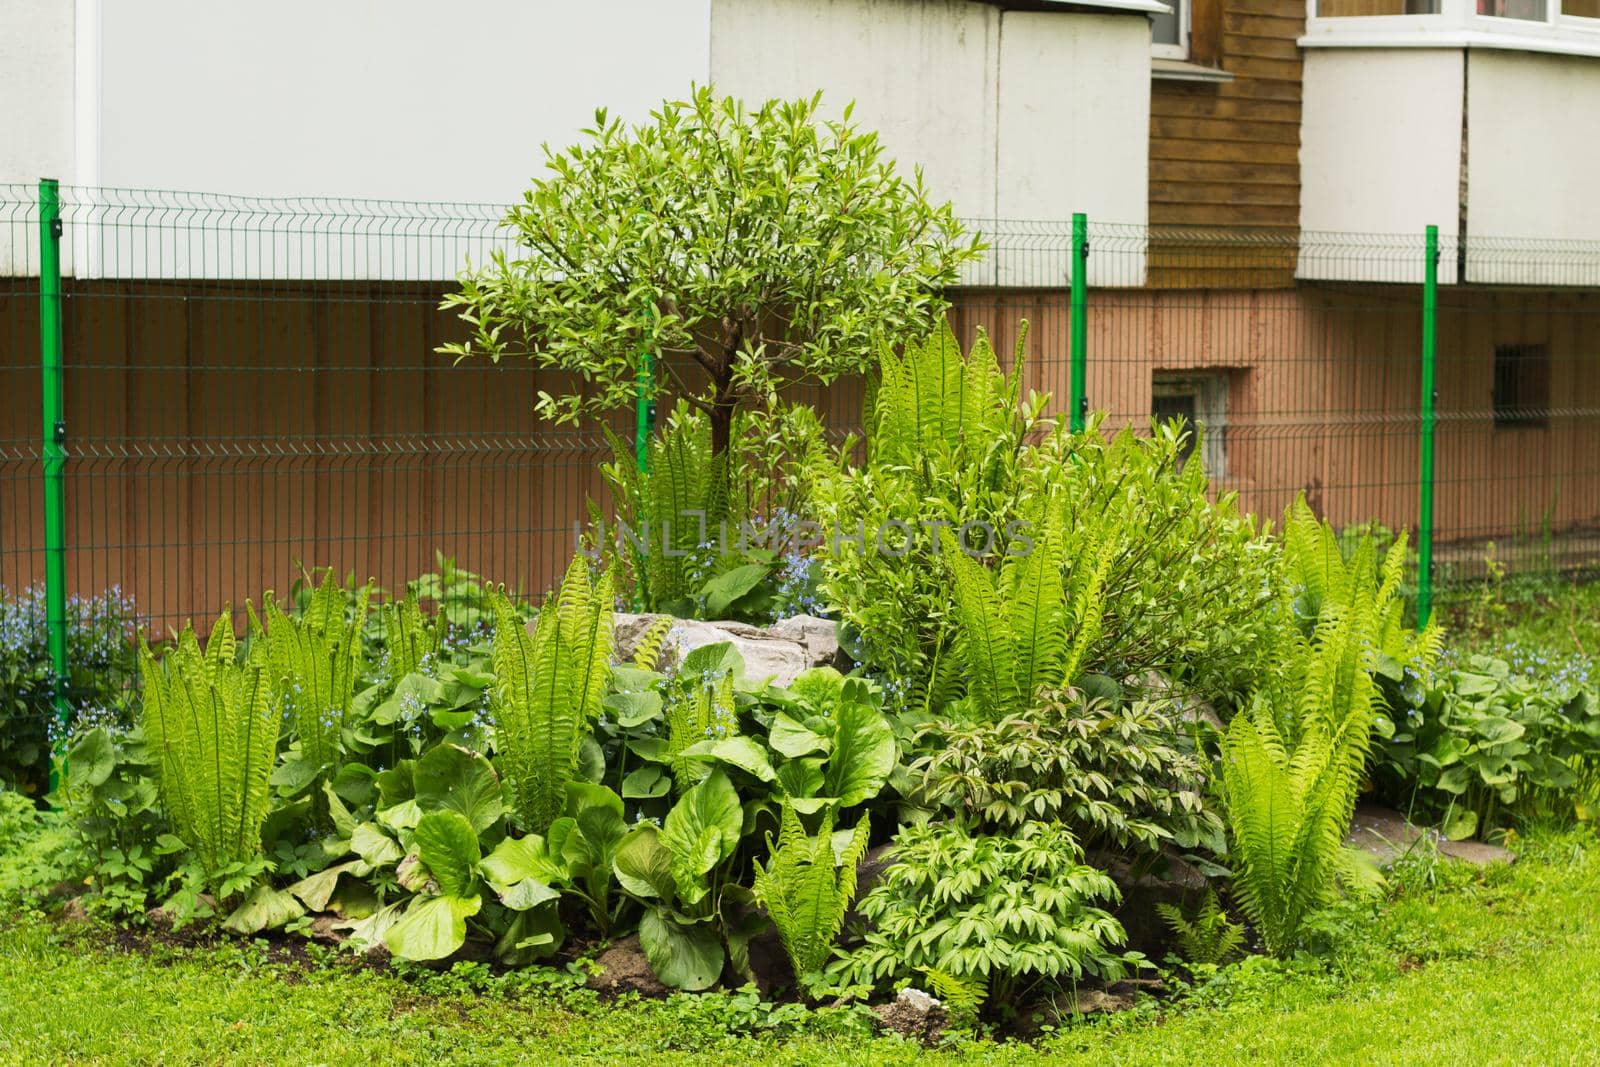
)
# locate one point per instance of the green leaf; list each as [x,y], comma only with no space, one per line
[683,957]
[643,783]
[448,847]
[737,751]
[634,709]
[519,859]
[265,908]
[452,778]
[432,927]
[789,738]
[801,777]
[91,760]
[863,754]
[317,889]
[643,866]
[721,592]
[374,846]
[716,657]
[1461,824]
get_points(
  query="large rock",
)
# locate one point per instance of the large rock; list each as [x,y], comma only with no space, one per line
[777,654]
[1171,881]
[622,968]
[913,1014]
[1386,836]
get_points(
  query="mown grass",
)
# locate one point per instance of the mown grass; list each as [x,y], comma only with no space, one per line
[1499,967]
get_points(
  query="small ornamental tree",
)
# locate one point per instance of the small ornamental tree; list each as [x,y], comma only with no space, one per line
[760,245]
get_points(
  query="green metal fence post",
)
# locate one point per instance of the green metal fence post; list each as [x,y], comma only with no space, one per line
[55,436]
[1077,397]
[1430,399]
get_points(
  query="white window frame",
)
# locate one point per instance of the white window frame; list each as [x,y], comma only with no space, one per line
[1457,25]
[1185,11]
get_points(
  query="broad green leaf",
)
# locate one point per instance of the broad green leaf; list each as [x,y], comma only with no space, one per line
[634,709]
[317,889]
[452,778]
[716,657]
[863,754]
[801,777]
[683,957]
[725,589]
[91,760]
[264,909]
[737,751]
[374,846]
[789,738]
[412,695]
[432,927]
[519,859]
[448,847]
[702,829]
[1461,824]
[643,866]
[818,686]
[643,783]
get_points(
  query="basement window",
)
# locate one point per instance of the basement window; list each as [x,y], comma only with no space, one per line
[1169,32]
[1201,400]
[1521,385]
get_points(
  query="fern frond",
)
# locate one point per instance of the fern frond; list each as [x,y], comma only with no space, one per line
[986,639]
[648,652]
[805,891]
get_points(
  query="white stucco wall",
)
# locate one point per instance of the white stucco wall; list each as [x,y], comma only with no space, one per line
[1012,115]
[35,112]
[1533,165]
[1380,155]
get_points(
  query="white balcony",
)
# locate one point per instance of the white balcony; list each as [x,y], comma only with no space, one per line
[1477,116]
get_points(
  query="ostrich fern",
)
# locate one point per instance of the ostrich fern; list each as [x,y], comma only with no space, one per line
[1291,767]
[315,661]
[548,689]
[214,731]
[805,891]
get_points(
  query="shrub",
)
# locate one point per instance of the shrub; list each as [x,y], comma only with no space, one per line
[1017,911]
[756,244]
[102,683]
[1116,775]
[1153,575]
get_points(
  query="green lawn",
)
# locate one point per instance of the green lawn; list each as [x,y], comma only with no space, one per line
[1499,968]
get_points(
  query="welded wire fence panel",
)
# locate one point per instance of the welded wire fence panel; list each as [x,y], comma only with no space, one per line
[252,388]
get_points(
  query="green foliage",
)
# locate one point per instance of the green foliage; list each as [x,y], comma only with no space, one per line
[100,689]
[1153,575]
[1115,774]
[1207,938]
[1292,765]
[213,730]
[1487,746]
[1018,911]
[757,243]
[548,690]
[315,660]
[806,889]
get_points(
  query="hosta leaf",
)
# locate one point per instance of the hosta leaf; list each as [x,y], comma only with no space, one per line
[738,751]
[375,846]
[634,709]
[317,889]
[683,957]
[448,847]
[452,778]
[863,754]
[264,909]
[643,783]
[643,865]
[702,829]
[519,859]
[789,738]
[432,927]
[725,589]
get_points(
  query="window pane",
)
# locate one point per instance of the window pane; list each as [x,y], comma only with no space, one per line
[1583,9]
[1164,28]
[1341,9]
[1531,10]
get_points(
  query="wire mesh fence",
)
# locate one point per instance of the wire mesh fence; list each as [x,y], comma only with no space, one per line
[251,387]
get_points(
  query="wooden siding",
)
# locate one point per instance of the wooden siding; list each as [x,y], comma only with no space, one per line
[1228,154]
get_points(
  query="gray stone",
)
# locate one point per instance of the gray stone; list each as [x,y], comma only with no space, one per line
[1386,835]
[913,1014]
[777,654]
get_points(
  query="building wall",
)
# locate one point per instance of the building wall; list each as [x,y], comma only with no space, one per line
[1533,153]
[36,131]
[1380,154]
[1011,114]
[1227,153]
[220,436]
